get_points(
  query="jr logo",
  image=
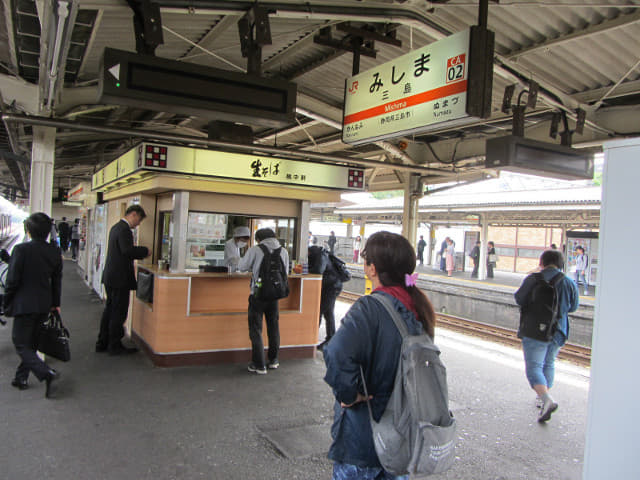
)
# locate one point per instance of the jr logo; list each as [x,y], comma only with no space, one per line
[353,87]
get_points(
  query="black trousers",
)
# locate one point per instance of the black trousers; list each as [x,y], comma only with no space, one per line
[75,244]
[25,338]
[113,318]
[475,268]
[421,256]
[327,310]
[258,308]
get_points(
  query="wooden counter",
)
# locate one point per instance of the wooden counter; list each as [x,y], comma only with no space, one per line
[198,318]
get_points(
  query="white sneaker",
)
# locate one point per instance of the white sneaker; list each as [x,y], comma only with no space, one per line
[539,402]
[254,369]
[547,409]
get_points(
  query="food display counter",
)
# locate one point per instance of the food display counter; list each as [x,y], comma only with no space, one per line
[198,317]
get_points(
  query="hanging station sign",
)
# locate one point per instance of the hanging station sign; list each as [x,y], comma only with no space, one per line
[233,166]
[446,83]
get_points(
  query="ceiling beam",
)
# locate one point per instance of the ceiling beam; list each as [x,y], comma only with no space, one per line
[90,42]
[594,29]
[8,18]
[207,41]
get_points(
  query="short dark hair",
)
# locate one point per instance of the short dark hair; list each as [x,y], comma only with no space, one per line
[552,257]
[137,209]
[38,225]
[264,233]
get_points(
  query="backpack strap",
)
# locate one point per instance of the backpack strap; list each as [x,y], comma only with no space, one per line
[265,250]
[556,279]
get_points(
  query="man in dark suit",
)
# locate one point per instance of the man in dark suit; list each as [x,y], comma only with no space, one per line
[119,279]
[33,289]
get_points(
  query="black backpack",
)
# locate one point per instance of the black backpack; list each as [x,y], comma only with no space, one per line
[340,267]
[539,317]
[272,283]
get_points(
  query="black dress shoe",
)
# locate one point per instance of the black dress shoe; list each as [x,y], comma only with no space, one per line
[51,377]
[122,350]
[20,384]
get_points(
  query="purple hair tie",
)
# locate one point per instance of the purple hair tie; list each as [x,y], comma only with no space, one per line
[410,280]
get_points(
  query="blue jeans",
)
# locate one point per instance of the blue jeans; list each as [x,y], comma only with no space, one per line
[580,273]
[344,471]
[539,360]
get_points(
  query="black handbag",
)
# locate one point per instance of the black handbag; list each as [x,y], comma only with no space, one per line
[53,338]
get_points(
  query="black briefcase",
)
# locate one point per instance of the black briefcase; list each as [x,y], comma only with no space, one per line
[53,338]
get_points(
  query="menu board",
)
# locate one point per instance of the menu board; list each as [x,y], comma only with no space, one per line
[205,238]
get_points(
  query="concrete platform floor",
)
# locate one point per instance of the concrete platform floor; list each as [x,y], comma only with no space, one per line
[122,418]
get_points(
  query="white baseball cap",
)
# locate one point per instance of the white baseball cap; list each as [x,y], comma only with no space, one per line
[241,232]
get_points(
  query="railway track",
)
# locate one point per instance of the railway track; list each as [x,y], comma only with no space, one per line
[574,353]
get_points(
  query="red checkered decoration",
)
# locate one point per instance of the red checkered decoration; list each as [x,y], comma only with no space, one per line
[155,156]
[356,178]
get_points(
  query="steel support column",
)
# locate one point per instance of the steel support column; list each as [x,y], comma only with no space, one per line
[410,208]
[42,158]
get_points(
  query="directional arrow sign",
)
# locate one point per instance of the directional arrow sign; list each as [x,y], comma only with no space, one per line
[115,71]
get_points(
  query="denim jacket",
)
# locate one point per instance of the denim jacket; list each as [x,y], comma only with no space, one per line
[568,299]
[368,338]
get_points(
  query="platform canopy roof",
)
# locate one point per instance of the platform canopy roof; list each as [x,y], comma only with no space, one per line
[583,54]
[512,200]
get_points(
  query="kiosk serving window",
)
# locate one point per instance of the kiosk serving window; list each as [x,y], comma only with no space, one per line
[205,239]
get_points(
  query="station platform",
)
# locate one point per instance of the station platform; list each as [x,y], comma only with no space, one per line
[123,418]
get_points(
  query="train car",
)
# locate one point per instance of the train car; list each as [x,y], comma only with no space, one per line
[11,220]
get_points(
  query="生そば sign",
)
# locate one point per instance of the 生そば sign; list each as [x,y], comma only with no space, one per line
[410,94]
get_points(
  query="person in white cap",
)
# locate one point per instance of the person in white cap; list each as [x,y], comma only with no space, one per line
[232,247]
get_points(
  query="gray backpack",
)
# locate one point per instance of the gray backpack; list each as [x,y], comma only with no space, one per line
[417,432]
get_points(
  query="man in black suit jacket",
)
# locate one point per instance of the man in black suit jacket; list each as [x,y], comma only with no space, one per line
[33,289]
[119,279]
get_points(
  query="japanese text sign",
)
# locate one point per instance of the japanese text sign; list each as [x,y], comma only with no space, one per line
[407,95]
[234,166]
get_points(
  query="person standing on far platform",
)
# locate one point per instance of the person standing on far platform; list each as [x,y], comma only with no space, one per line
[357,244]
[65,234]
[582,260]
[119,279]
[421,246]
[33,289]
[332,242]
[443,254]
[53,233]
[475,257]
[491,259]
[450,256]
[75,239]
[540,356]
[369,342]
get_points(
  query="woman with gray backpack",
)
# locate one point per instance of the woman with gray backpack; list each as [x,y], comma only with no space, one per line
[364,356]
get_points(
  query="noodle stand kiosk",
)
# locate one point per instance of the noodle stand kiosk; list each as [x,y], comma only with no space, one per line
[193,199]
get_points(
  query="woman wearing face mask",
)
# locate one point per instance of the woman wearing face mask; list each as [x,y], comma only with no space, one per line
[233,246]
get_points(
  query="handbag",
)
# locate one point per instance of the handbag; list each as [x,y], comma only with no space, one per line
[493,258]
[53,338]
